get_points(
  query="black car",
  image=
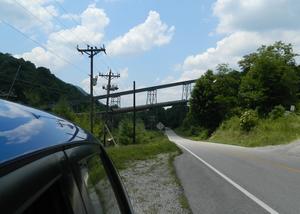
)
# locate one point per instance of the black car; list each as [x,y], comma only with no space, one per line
[50,165]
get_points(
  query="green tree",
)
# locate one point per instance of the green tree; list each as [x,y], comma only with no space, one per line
[271,78]
[37,87]
[278,50]
[175,115]
[83,120]
[214,97]
[125,132]
[63,109]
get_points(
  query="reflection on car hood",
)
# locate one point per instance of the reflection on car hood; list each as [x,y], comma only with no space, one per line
[24,130]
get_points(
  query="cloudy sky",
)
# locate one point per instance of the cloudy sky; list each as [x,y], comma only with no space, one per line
[149,41]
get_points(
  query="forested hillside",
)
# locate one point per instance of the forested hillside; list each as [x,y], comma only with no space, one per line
[36,86]
[240,104]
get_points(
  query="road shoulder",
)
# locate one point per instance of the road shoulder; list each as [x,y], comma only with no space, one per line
[207,192]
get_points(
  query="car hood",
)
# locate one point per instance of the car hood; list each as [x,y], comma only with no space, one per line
[24,130]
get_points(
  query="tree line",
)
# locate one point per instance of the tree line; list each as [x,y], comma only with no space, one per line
[36,86]
[268,80]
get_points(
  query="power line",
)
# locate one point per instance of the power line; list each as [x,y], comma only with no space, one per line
[33,84]
[60,22]
[108,88]
[43,22]
[60,5]
[91,52]
[77,23]
[74,21]
[39,44]
[59,33]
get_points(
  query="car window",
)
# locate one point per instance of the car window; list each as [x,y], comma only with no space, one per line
[51,201]
[98,186]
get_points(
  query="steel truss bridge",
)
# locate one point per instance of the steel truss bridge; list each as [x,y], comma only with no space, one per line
[151,101]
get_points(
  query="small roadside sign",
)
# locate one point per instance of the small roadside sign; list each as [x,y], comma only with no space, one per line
[160,126]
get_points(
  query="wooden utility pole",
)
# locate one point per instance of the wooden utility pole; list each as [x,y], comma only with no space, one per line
[13,83]
[134,119]
[91,52]
[108,88]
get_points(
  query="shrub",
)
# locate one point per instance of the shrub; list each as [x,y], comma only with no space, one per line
[278,111]
[63,109]
[297,110]
[248,120]
[125,132]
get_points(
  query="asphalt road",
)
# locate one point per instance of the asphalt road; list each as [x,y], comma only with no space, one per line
[220,178]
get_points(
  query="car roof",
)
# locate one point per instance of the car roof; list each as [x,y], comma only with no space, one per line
[24,130]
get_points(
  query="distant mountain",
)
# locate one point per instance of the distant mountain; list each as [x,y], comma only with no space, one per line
[36,86]
[81,90]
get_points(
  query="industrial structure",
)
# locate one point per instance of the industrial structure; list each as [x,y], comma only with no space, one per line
[151,100]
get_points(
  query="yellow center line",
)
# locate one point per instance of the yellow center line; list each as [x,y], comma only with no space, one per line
[256,158]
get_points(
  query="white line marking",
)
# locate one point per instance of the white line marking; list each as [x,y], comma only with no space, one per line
[251,196]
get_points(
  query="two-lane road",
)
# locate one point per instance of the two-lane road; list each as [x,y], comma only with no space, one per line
[220,178]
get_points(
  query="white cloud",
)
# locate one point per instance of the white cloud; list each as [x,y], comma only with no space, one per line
[153,32]
[12,111]
[41,57]
[71,16]
[28,15]
[248,25]
[23,133]
[257,15]
[63,42]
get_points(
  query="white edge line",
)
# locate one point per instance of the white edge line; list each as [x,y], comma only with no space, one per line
[248,194]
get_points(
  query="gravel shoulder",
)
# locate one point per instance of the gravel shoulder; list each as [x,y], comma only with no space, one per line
[153,187]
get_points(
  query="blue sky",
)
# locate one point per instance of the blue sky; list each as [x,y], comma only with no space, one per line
[149,41]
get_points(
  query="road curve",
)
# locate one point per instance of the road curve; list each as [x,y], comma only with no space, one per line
[219,178]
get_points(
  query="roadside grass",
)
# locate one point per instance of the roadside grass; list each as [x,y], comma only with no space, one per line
[182,198]
[267,132]
[193,133]
[154,144]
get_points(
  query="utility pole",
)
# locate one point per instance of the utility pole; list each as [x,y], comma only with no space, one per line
[91,52]
[134,119]
[12,85]
[109,87]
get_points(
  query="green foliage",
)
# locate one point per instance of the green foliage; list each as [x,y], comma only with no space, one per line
[125,132]
[297,108]
[84,122]
[193,132]
[271,78]
[266,132]
[36,86]
[278,111]
[175,115]
[63,109]
[278,50]
[248,120]
[214,97]
[123,155]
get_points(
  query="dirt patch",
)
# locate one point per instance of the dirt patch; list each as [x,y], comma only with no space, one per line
[152,186]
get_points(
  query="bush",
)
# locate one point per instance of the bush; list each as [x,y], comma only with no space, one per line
[63,109]
[297,110]
[125,132]
[278,111]
[248,120]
